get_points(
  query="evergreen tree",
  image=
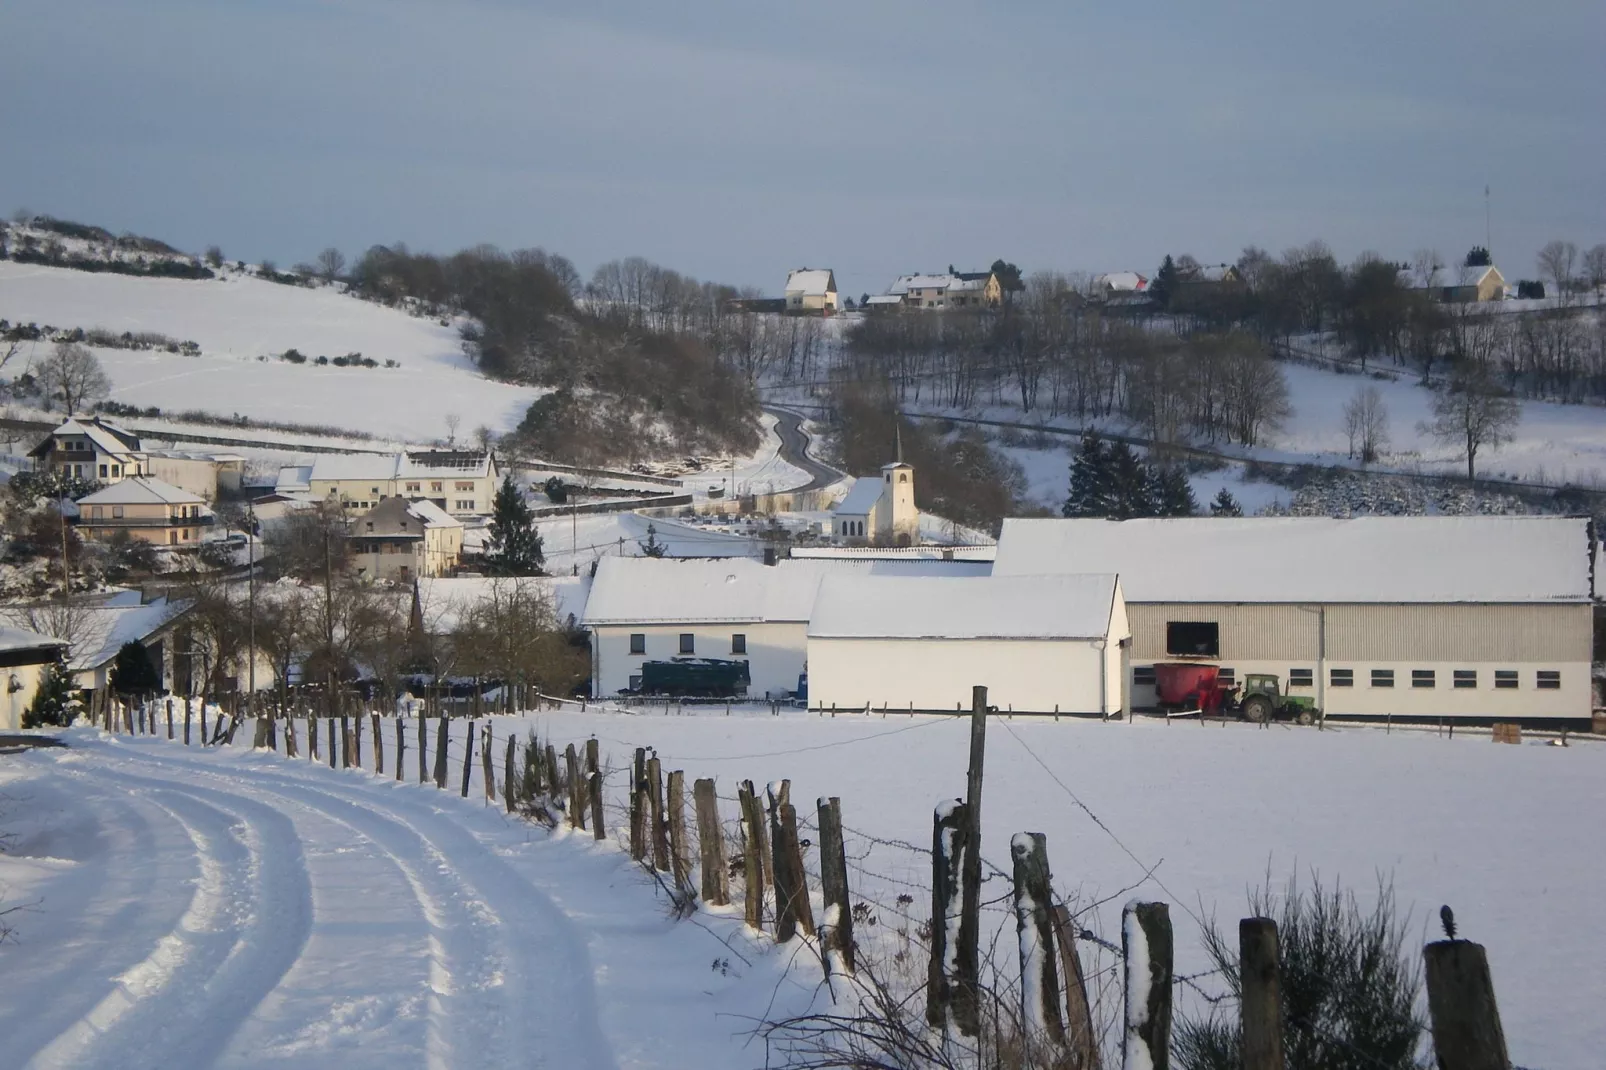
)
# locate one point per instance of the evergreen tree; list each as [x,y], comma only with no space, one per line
[1131,485]
[132,672]
[1091,483]
[515,546]
[1479,257]
[652,547]
[1164,287]
[1169,493]
[1225,504]
[55,703]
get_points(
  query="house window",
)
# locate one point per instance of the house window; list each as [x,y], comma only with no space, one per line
[1548,680]
[1465,679]
[1143,676]
[464,487]
[738,643]
[436,488]
[117,512]
[688,643]
[1505,679]
[1424,678]
[635,683]
[1341,678]
[103,471]
[1301,678]
[638,642]
[94,512]
[465,505]
[1193,638]
[117,470]
[373,490]
[172,538]
[414,488]
[1382,677]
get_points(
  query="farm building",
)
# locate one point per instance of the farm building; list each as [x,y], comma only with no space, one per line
[644,609]
[1414,617]
[24,656]
[1040,644]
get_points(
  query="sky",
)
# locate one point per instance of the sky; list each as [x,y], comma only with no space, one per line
[735,139]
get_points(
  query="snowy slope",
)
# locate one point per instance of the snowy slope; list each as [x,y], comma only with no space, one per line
[237,319]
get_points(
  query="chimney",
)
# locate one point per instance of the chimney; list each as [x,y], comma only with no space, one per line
[770,555]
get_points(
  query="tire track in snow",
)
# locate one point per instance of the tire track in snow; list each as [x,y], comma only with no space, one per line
[238,936]
[515,936]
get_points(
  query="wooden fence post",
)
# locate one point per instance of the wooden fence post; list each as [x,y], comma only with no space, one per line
[797,912]
[711,845]
[489,763]
[967,991]
[170,717]
[203,721]
[1261,1006]
[468,755]
[571,767]
[1466,1021]
[379,744]
[754,848]
[441,739]
[949,828]
[401,745]
[330,721]
[1146,946]
[638,806]
[659,830]
[552,777]
[509,794]
[679,862]
[599,829]
[423,748]
[259,738]
[291,748]
[356,741]
[312,737]
[834,885]
[1034,929]
[186,720]
[1079,1036]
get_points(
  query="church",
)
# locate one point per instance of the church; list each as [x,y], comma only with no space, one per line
[881,510]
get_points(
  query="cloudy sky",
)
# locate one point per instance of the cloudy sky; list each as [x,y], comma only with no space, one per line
[732,139]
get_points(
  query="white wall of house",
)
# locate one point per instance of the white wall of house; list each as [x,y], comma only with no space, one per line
[15,702]
[1025,675]
[777,652]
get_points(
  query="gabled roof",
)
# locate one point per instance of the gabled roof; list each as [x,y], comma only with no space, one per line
[971,607]
[15,639]
[1129,281]
[861,499]
[1459,275]
[646,590]
[1400,560]
[141,490]
[884,299]
[431,514]
[399,518]
[811,282]
[294,479]
[344,466]
[106,437]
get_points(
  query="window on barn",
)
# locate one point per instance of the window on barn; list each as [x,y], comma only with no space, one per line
[1382,677]
[1341,678]
[688,643]
[1301,678]
[738,643]
[635,683]
[1424,678]
[1201,638]
[1143,676]
[1505,679]
[1466,678]
[638,642]
[1548,680]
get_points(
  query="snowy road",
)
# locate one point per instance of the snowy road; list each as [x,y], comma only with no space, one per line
[229,909]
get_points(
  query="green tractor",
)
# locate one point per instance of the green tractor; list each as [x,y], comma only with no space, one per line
[1261,699]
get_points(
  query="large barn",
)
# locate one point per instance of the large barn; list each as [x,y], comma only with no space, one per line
[1411,617]
[1039,644]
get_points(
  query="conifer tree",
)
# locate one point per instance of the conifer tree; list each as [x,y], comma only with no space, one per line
[652,547]
[55,703]
[515,546]
[1132,491]
[1225,504]
[1164,286]
[1091,484]
[1170,493]
[132,672]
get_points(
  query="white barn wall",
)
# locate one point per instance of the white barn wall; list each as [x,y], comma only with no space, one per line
[1028,675]
[776,651]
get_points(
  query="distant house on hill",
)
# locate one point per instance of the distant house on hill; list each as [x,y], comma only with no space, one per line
[95,449]
[1465,285]
[146,508]
[1120,283]
[975,289]
[458,482]
[811,290]
[404,540]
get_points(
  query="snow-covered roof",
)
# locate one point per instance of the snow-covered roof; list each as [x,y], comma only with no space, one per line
[1210,273]
[1122,280]
[896,553]
[342,466]
[429,464]
[954,607]
[14,639]
[1420,559]
[294,479]
[1457,275]
[105,630]
[105,437]
[884,299]
[962,284]
[905,283]
[141,490]
[811,282]
[432,515]
[645,590]
[861,499]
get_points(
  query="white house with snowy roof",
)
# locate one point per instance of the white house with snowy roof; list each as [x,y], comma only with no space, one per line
[880,508]
[1483,617]
[1039,644]
[811,290]
[459,482]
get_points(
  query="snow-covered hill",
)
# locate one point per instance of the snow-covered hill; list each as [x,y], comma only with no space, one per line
[243,324]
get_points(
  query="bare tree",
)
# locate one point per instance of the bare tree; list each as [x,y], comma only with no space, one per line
[1366,422]
[1471,411]
[453,421]
[214,255]
[331,262]
[1558,261]
[73,374]
[1595,266]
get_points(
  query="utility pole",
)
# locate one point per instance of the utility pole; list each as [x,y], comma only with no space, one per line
[251,607]
[66,570]
[329,628]
[967,997]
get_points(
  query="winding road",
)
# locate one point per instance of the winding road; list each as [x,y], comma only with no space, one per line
[795,449]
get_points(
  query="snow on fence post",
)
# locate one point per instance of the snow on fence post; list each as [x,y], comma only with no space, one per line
[1260,1005]
[291,750]
[379,744]
[468,756]
[594,788]
[488,761]
[509,797]
[679,861]
[638,806]
[1079,1036]
[1466,1020]
[1146,946]
[754,848]
[793,911]
[1034,930]
[259,739]
[711,845]
[947,849]
[571,768]
[658,830]
[834,888]
[441,731]
[967,994]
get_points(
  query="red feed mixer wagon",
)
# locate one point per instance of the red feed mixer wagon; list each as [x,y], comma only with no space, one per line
[1189,686]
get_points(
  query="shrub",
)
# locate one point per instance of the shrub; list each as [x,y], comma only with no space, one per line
[294,356]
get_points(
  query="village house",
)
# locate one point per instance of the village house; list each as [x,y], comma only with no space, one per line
[91,448]
[1117,284]
[811,290]
[880,508]
[404,540]
[1465,285]
[951,290]
[24,657]
[461,483]
[146,508]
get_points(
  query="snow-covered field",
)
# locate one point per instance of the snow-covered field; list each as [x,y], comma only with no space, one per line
[407,925]
[237,319]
